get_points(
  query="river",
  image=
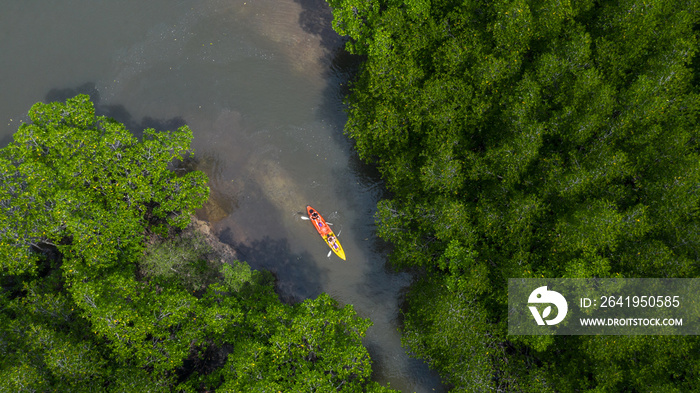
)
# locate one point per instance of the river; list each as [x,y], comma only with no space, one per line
[260,82]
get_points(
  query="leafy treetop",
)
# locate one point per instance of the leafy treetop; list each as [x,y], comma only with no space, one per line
[529,139]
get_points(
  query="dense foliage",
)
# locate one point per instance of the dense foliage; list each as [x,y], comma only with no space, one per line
[102,290]
[525,138]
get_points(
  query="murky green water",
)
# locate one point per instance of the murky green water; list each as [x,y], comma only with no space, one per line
[259,82]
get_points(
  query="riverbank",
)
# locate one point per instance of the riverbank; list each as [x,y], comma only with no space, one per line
[224,252]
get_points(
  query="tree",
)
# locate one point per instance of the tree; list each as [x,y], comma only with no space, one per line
[312,346]
[87,305]
[75,182]
[528,139]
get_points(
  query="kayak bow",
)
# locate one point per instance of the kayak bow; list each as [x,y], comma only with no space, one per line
[325,231]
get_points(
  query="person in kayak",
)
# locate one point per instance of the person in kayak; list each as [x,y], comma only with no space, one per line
[315,217]
[331,241]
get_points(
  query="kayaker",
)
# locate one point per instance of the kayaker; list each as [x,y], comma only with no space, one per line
[314,215]
[331,241]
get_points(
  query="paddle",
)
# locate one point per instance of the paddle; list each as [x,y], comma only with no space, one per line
[307,219]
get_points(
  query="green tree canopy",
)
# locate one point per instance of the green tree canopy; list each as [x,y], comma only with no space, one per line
[82,184]
[529,139]
[87,304]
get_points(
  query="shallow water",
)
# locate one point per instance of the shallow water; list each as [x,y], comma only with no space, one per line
[260,82]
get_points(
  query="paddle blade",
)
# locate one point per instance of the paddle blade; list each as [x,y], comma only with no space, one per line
[329,254]
[305,218]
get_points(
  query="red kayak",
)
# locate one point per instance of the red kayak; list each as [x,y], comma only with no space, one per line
[325,231]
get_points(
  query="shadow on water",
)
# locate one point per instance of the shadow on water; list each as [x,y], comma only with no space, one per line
[296,278]
[4,141]
[316,18]
[360,186]
[116,112]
